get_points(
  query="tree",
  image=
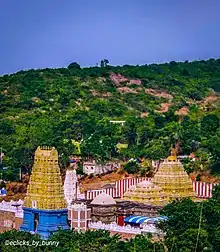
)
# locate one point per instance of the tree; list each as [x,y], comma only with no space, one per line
[209,124]
[214,146]
[144,243]
[157,149]
[72,241]
[104,63]
[50,106]
[212,216]
[132,167]
[188,241]
[95,241]
[192,226]
[183,214]
[102,143]
[189,133]
[74,66]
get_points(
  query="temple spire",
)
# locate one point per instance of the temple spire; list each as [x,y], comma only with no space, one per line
[71,188]
[45,190]
[173,179]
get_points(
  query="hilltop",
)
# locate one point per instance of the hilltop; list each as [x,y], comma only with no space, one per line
[175,103]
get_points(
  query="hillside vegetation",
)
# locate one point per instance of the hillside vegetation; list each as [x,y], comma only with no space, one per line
[163,105]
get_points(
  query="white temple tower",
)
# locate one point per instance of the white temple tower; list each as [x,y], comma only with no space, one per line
[71,188]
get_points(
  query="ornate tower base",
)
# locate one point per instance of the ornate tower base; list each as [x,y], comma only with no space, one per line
[44,222]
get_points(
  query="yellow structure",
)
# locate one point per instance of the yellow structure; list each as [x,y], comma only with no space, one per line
[45,190]
[147,193]
[173,179]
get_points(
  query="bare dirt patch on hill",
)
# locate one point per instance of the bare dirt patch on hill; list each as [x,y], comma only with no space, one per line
[117,79]
[164,107]
[158,93]
[182,111]
[126,90]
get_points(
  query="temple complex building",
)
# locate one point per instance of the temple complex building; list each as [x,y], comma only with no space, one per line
[173,179]
[170,182]
[147,193]
[145,198]
[119,207]
[45,209]
[79,215]
[103,208]
[91,167]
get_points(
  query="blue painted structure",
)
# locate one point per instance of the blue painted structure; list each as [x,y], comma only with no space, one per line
[3,191]
[44,222]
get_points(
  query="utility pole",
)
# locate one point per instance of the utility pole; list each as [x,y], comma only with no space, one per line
[1,155]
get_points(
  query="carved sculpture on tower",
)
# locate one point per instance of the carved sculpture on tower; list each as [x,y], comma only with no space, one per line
[45,209]
[173,179]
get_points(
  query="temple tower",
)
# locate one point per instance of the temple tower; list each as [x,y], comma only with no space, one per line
[44,206]
[71,187]
[173,179]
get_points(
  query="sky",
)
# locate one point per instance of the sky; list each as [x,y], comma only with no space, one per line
[54,33]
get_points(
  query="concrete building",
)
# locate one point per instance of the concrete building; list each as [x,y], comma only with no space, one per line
[11,215]
[94,168]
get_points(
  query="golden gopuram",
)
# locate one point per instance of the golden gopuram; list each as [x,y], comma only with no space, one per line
[45,190]
[173,179]
[147,193]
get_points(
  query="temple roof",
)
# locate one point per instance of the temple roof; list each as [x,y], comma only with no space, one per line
[103,199]
[145,184]
[147,193]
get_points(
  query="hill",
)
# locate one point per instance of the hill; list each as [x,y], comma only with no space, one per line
[175,103]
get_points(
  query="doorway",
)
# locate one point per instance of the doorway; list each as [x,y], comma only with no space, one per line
[36,220]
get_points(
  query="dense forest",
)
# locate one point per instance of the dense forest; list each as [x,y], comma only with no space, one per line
[163,105]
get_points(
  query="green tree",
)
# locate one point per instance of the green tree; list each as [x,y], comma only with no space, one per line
[157,149]
[132,167]
[212,216]
[189,133]
[188,241]
[74,65]
[104,63]
[209,124]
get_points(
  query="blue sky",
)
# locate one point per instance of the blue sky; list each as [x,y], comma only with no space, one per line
[54,33]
